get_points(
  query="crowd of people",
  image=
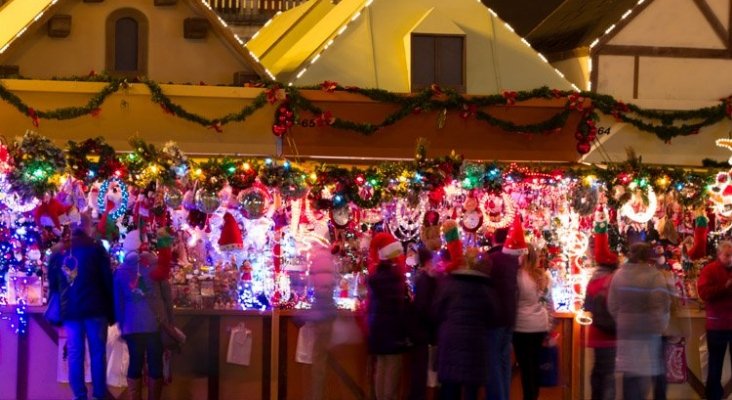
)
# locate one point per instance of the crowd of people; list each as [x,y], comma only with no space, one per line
[468,311]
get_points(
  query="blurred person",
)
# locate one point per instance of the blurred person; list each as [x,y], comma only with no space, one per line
[465,308]
[601,333]
[141,304]
[715,289]
[322,314]
[387,313]
[533,320]
[80,273]
[504,270]
[424,327]
[640,303]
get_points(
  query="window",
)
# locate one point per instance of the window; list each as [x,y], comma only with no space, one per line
[438,59]
[126,43]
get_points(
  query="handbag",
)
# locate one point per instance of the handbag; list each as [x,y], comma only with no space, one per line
[675,358]
[53,311]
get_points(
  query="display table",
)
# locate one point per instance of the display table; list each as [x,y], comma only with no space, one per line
[200,371]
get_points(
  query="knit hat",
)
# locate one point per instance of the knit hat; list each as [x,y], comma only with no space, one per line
[454,246]
[132,242]
[230,234]
[515,241]
[603,255]
[384,247]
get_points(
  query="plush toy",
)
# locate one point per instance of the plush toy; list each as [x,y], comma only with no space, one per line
[165,255]
[699,247]
[430,231]
[48,213]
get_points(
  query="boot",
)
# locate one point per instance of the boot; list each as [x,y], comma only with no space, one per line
[134,389]
[154,389]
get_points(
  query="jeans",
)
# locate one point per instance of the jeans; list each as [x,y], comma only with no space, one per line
[93,330]
[388,375]
[527,346]
[499,354]
[602,378]
[717,342]
[141,345]
[453,391]
[635,387]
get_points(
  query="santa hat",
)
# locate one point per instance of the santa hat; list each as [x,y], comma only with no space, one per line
[699,248]
[454,246]
[385,247]
[515,241]
[603,255]
[48,212]
[230,234]
[132,242]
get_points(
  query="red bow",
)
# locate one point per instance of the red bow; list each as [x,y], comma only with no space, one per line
[576,102]
[510,97]
[274,94]
[325,119]
[329,86]
[557,93]
[436,89]
[217,126]
[468,110]
[34,116]
[95,112]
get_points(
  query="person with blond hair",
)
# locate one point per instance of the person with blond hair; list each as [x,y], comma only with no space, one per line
[533,320]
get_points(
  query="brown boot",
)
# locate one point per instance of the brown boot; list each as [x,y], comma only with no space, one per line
[154,389]
[134,389]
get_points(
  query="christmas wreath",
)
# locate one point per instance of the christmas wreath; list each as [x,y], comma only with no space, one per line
[584,199]
[81,168]
[36,160]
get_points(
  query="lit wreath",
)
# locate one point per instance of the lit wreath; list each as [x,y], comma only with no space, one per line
[83,169]
[644,216]
[101,199]
[509,209]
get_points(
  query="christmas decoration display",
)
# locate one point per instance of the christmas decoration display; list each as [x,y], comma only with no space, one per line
[239,233]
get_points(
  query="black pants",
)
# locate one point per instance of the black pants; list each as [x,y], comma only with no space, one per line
[602,378]
[660,384]
[138,345]
[418,380]
[635,387]
[717,345]
[527,347]
[452,391]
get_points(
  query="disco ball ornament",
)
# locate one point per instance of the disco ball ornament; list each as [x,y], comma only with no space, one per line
[173,198]
[253,203]
[207,201]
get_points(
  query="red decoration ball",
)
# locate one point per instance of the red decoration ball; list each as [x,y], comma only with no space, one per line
[583,147]
[579,136]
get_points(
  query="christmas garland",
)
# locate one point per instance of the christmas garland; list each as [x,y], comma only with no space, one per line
[664,124]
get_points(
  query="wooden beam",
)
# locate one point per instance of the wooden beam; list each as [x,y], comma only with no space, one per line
[637,10]
[266,356]
[636,69]
[675,52]
[583,51]
[713,22]
[595,73]
[51,332]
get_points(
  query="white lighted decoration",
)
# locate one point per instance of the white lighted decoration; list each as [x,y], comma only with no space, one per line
[631,208]
[407,220]
[491,205]
[12,200]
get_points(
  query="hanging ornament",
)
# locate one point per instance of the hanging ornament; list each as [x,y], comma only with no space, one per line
[584,199]
[173,198]
[207,201]
[104,199]
[638,210]
[499,210]
[253,202]
[406,221]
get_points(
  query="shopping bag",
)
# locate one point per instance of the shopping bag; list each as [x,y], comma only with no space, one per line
[676,367]
[549,366]
[305,343]
[118,358]
[240,346]
[62,363]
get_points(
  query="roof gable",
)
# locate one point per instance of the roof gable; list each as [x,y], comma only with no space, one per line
[23,24]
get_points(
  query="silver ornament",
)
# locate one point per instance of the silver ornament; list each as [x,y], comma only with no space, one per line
[206,201]
[173,198]
[253,203]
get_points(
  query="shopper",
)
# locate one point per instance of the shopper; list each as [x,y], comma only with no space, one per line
[387,313]
[465,308]
[601,333]
[640,303]
[503,278]
[423,330]
[715,288]
[533,320]
[141,304]
[79,272]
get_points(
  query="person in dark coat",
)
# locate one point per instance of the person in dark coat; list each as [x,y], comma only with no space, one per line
[504,272]
[79,272]
[423,332]
[387,314]
[465,308]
